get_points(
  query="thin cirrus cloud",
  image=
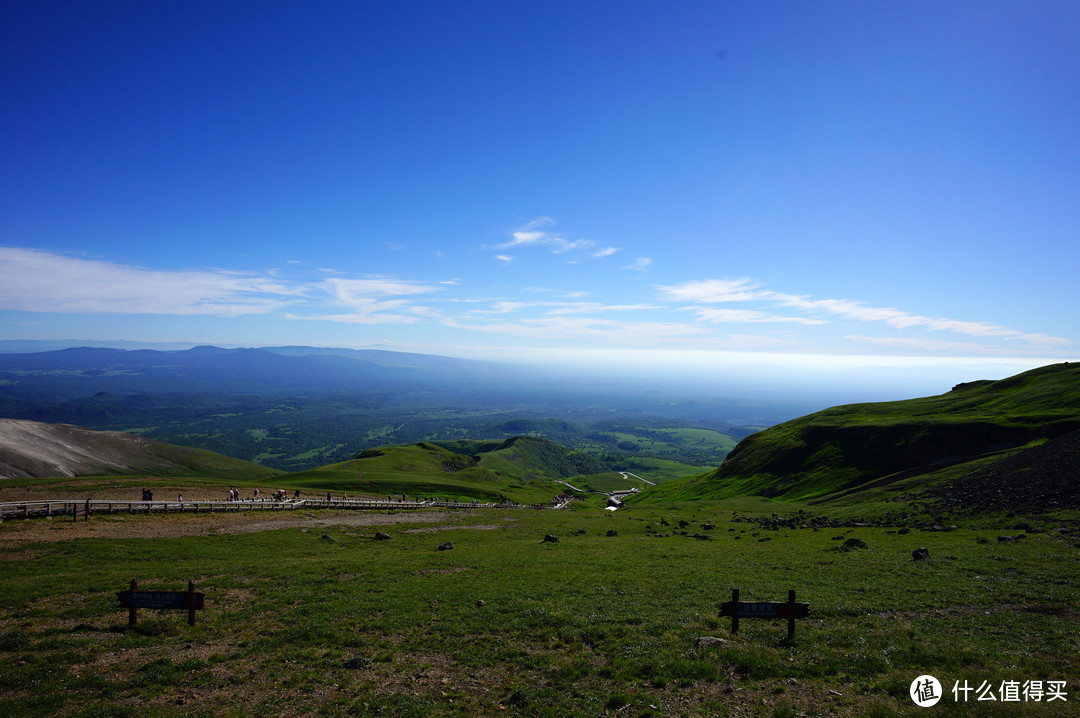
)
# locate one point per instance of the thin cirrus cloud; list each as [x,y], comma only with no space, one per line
[376,300]
[37,281]
[744,289]
[532,235]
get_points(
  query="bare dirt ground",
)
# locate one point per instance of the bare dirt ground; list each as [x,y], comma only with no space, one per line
[20,531]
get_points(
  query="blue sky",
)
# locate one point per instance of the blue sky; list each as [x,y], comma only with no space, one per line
[846,185]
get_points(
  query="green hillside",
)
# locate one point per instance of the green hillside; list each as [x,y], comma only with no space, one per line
[857,445]
[521,469]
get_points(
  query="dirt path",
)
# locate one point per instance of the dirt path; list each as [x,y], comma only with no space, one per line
[57,528]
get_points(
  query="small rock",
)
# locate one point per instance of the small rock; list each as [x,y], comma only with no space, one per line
[837,538]
[612,532]
[550,538]
[480,603]
[358,663]
[982,539]
[904,531]
[852,544]
[328,538]
[448,546]
[706,641]
[579,532]
[920,553]
[380,536]
[1003,539]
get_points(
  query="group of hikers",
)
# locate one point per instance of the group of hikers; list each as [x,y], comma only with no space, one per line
[283,495]
[277,495]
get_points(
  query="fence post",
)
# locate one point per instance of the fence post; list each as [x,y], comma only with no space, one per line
[191,602]
[87,510]
[735,615]
[791,615]
[132,617]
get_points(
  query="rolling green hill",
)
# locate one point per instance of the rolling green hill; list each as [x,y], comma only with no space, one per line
[861,445]
[521,469]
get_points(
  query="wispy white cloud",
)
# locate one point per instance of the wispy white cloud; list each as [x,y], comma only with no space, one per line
[905,320]
[534,234]
[504,258]
[749,316]
[596,307]
[607,331]
[712,290]
[36,281]
[744,289]
[641,264]
[919,344]
[368,303]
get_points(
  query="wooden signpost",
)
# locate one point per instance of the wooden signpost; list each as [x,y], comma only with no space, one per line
[764,609]
[134,599]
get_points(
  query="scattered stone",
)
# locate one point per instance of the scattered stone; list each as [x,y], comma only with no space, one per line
[580,532]
[982,539]
[1004,539]
[480,603]
[683,524]
[550,538]
[706,641]
[358,663]
[837,538]
[938,527]
[703,537]
[380,536]
[904,531]
[327,538]
[446,546]
[737,537]
[767,538]
[707,527]
[853,543]
[663,522]
[612,532]
[920,553]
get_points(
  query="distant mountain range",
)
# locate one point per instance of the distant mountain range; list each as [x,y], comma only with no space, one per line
[67,374]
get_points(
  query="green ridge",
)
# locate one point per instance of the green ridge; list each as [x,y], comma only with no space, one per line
[856,445]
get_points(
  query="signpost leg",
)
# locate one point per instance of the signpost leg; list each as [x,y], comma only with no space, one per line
[735,614]
[191,602]
[132,617]
[791,615]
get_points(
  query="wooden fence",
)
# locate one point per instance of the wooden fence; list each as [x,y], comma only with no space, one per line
[75,509]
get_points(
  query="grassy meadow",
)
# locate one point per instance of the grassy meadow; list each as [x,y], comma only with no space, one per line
[321,619]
